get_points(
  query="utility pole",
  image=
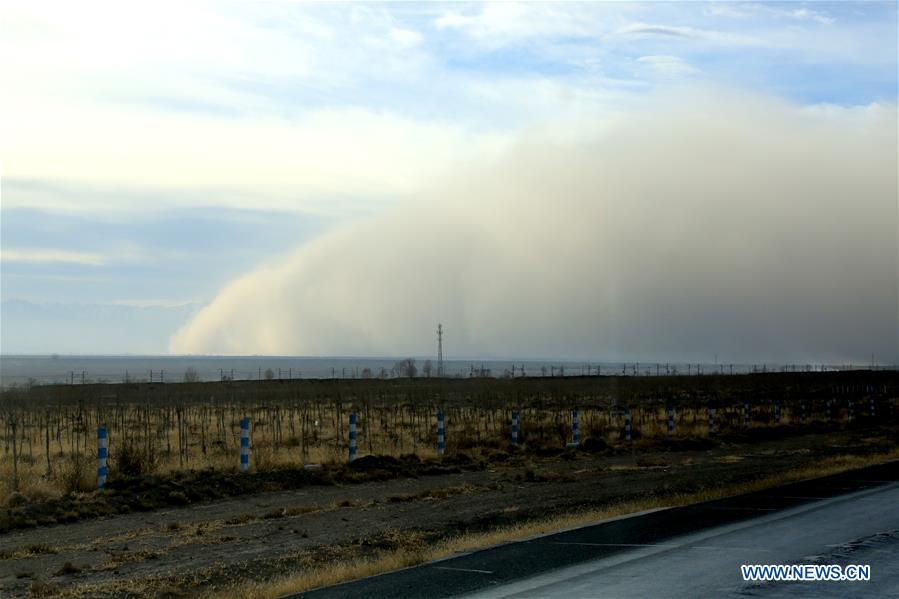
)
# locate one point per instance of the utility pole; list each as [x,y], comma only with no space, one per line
[439,350]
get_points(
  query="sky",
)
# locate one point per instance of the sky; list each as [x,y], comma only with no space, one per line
[654,181]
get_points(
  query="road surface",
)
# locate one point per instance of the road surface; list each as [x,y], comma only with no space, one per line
[858,528]
[693,551]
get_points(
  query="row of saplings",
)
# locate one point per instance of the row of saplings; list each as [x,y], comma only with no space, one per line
[573,441]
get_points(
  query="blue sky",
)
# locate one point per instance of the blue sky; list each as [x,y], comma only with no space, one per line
[152,153]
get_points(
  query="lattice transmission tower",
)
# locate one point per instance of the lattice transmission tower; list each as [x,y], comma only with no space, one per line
[439,350]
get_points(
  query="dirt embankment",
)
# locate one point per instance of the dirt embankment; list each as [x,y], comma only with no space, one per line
[155,548]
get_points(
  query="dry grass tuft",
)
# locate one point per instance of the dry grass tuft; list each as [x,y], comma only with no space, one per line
[433,494]
[30,551]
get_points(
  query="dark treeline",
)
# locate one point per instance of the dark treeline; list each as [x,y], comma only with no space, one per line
[571,391]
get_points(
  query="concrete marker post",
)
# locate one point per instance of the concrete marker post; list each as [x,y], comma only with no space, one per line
[851,411]
[441,433]
[102,455]
[575,429]
[244,444]
[627,425]
[352,436]
[670,411]
[745,414]
[575,432]
[711,412]
[514,427]
[802,412]
[776,413]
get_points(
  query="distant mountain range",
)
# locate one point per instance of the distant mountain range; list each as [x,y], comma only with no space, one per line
[47,328]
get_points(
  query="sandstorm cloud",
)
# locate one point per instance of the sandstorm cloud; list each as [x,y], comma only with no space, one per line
[700,223]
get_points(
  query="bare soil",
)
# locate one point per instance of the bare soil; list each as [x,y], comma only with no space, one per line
[182,551]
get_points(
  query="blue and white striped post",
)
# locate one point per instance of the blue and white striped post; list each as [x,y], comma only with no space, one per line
[745,414]
[627,425]
[829,411]
[670,411]
[711,411]
[352,436]
[872,408]
[102,454]
[776,413]
[851,411]
[244,444]
[441,433]
[575,429]
[802,412]
[514,427]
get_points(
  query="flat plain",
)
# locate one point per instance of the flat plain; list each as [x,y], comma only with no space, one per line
[178,519]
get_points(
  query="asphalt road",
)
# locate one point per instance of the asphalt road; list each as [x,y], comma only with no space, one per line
[858,528]
[694,551]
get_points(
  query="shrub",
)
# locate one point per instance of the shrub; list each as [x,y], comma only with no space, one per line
[77,473]
[68,568]
[131,459]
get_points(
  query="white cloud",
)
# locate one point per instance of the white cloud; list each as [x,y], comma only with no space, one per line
[52,256]
[806,14]
[650,30]
[669,66]
[499,23]
[740,10]
[703,222]
[284,163]
[406,38]
[736,10]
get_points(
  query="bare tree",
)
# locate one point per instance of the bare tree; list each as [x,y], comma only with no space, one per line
[190,375]
[405,368]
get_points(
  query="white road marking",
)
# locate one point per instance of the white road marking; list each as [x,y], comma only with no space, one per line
[715,547]
[463,570]
[614,544]
[795,497]
[754,509]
